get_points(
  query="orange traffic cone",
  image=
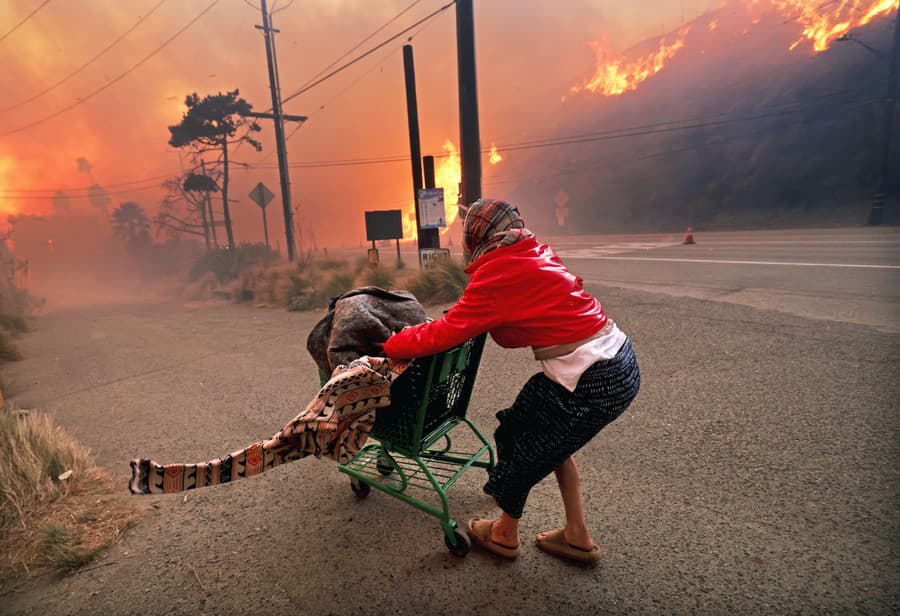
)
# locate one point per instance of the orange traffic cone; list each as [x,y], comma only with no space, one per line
[689,237]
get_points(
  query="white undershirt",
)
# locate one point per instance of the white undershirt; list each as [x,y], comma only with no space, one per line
[567,369]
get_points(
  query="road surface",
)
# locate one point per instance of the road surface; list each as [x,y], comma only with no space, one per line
[756,472]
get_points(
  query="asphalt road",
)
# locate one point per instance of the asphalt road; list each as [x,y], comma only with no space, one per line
[756,472]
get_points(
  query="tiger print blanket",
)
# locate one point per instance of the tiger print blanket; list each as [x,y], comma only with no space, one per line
[336,424]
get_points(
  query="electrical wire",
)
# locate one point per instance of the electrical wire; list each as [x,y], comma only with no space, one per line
[635,131]
[27,17]
[86,64]
[367,53]
[112,81]
[587,137]
[360,44]
[360,78]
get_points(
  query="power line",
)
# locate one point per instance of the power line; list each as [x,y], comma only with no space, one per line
[611,162]
[86,64]
[360,44]
[49,191]
[69,196]
[27,17]
[635,131]
[586,137]
[113,81]
[361,77]
[367,53]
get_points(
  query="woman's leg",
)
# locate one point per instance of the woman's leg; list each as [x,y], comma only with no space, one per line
[575,531]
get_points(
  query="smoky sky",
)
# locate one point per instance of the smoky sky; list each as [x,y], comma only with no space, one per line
[529,54]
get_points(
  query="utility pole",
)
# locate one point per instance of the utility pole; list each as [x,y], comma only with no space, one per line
[469,138]
[279,117]
[427,238]
[877,212]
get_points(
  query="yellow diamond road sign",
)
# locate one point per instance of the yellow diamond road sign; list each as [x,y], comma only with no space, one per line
[261,195]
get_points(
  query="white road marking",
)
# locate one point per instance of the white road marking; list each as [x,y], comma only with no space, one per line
[612,249]
[730,262]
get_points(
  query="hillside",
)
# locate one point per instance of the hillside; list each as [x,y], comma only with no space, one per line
[736,131]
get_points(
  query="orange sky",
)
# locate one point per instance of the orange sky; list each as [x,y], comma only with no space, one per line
[529,53]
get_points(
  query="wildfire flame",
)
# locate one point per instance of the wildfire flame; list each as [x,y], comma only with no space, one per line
[823,23]
[616,73]
[447,175]
[494,157]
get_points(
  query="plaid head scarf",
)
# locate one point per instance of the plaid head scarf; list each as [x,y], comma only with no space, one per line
[489,224]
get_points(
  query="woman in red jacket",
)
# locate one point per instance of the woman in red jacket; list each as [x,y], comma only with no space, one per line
[522,294]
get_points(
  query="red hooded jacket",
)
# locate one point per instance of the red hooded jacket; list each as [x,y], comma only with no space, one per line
[521,293]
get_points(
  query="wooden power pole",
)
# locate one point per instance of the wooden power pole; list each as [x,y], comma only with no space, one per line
[278,116]
[469,138]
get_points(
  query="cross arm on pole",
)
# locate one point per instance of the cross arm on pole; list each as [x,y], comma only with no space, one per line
[271,116]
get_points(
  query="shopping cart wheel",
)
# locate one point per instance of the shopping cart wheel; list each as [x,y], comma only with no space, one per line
[460,543]
[360,488]
[384,466]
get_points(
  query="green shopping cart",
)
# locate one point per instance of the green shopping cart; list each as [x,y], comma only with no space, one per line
[414,453]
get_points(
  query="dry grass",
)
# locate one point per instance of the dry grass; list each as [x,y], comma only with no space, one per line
[310,283]
[49,523]
[443,283]
[379,276]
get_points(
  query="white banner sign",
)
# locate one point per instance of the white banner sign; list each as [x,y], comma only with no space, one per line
[432,214]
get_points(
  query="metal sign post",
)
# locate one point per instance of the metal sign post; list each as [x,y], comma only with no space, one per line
[261,195]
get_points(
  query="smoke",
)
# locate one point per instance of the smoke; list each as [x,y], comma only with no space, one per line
[99,199]
[61,203]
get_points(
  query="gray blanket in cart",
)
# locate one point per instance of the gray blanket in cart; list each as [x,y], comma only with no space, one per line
[358,323]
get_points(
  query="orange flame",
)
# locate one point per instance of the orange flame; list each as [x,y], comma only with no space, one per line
[713,25]
[823,23]
[616,74]
[494,157]
[447,175]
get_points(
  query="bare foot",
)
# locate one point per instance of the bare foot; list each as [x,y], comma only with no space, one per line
[496,533]
[582,543]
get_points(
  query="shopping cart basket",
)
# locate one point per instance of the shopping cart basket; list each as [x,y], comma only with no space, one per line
[413,452]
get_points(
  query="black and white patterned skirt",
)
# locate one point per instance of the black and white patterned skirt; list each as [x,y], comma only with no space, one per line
[547,423]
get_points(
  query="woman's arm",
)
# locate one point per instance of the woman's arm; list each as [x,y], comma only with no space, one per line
[473,314]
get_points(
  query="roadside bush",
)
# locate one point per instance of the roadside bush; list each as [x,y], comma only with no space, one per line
[13,323]
[378,276]
[228,264]
[46,520]
[8,350]
[443,283]
[335,284]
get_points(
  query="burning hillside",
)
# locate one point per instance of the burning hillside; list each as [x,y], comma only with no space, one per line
[750,114]
[819,25]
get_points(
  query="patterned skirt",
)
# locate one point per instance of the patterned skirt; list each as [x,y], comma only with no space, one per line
[547,424]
